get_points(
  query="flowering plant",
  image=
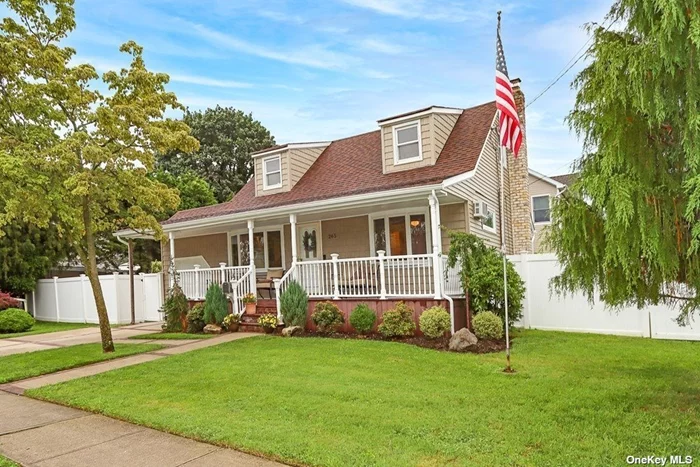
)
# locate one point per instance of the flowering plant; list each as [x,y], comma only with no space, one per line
[230,319]
[249,298]
[268,321]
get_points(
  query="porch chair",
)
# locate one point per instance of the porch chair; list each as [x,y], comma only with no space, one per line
[268,283]
[361,279]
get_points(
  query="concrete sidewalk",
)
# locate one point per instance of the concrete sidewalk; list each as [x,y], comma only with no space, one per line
[51,340]
[176,347]
[36,433]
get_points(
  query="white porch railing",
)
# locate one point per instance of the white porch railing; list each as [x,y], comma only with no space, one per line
[239,288]
[194,282]
[379,276]
[452,284]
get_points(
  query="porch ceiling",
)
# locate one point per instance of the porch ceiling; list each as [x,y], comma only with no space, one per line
[328,214]
[282,218]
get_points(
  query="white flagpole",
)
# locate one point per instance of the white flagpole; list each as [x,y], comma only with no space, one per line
[502,217]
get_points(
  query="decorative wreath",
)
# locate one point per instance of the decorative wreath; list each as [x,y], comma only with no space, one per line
[309,241]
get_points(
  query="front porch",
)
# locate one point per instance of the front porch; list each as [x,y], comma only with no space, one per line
[381,253]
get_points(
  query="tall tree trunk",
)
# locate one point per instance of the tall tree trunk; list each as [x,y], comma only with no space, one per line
[89,259]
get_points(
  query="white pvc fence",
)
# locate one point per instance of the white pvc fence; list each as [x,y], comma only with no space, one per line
[70,300]
[574,313]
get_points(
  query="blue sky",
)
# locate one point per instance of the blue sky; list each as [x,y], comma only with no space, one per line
[325,70]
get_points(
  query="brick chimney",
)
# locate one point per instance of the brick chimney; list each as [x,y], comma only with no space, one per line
[520,215]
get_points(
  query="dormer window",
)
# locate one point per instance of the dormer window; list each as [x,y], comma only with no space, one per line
[407,143]
[272,172]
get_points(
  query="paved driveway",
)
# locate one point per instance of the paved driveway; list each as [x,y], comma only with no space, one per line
[52,340]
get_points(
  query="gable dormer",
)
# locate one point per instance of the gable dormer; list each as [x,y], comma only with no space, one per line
[415,139]
[279,168]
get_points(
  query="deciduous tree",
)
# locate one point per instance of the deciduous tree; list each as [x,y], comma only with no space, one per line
[628,228]
[71,153]
[227,136]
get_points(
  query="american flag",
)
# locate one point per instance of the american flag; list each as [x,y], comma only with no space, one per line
[509,123]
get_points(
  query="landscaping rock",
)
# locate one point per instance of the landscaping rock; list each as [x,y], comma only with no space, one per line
[462,339]
[291,331]
[212,329]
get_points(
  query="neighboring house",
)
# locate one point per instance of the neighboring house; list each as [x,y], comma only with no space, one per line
[543,190]
[362,218]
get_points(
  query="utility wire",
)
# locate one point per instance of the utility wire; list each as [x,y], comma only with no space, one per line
[569,65]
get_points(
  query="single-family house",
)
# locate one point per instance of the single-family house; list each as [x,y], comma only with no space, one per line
[359,219]
[543,189]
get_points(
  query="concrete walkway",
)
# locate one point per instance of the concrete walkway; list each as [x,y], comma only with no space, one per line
[36,433]
[51,340]
[175,347]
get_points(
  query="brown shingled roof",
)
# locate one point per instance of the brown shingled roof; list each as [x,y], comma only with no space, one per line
[566,179]
[353,166]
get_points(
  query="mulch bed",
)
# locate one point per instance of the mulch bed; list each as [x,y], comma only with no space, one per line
[442,344]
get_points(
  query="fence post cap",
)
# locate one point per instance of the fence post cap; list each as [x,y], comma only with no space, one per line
[381,252]
[334,255]
[197,266]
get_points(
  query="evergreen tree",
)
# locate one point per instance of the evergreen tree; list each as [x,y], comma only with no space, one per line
[627,229]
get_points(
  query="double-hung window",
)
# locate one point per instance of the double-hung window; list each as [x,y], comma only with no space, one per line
[407,143]
[403,234]
[540,209]
[272,172]
[267,249]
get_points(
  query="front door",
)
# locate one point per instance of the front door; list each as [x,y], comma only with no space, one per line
[309,241]
[311,276]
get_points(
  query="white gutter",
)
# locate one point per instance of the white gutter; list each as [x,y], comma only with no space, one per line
[305,208]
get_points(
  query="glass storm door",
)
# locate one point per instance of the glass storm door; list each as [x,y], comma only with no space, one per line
[311,276]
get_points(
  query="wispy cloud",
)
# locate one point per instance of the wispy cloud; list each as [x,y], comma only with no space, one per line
[375,74]
[380,46]
[103,66]
[433,11]
[313,55]
[204,81]
[281,17]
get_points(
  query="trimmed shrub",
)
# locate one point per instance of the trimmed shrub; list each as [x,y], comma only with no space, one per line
[15,320]
[488,325]
[481,272]
[215,305]
[6,301]
[195,319]
[398,322]
[435,322]
[175,309]
[294,303]
[327,317]
[362,318]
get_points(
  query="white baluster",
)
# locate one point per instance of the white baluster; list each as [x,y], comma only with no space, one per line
[382,276]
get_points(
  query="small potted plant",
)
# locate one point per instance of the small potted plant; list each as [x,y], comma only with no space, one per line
[249,300]
[268,322]
[231,322]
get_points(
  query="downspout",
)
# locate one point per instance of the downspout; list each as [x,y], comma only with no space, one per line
[438,233]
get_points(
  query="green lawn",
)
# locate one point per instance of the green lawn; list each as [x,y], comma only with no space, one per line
[576,399]
[26,365]
[5,462]
[42,327]
[172,335]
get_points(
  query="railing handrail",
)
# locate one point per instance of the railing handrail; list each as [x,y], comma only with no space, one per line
[229,268]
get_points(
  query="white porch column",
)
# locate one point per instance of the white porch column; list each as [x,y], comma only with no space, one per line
[435,236]
[251,254]
[171,265]
[293,222]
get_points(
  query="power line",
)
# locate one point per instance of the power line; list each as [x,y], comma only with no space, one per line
[569,65]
